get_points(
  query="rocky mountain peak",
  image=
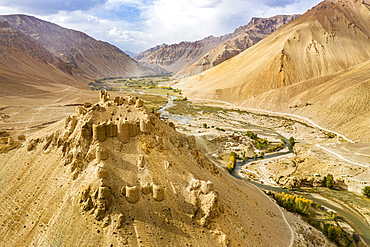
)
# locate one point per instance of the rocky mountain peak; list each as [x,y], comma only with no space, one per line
[243,38]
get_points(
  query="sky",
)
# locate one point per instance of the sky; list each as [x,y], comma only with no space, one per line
[137,25]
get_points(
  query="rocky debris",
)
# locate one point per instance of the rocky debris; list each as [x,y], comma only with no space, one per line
[202,196]
[96,200]
[32,144]
[222,238]
[298,181]
[119,221]
[8,143]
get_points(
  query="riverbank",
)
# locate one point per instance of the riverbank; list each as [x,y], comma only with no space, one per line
[219,129]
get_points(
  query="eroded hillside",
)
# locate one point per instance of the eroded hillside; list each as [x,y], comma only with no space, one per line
[115,174]
[306,53]
[248,35]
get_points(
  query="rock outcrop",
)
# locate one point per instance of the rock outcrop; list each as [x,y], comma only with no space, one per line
[115,174]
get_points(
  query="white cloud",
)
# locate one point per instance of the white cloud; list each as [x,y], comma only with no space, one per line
[137,37]
[80,20]
[140,24]
[173,21]
[5,10]
[118,32]
[45,7]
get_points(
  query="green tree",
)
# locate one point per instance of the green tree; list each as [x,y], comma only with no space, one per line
[334,232]
[252,135]
[366,191]
[292,141]
[329,181]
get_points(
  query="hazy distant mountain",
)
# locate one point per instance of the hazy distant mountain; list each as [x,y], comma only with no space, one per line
[149,51]
[176,57]
[156,68]
[87,56]
[257,29]
[130,53]
[309,59]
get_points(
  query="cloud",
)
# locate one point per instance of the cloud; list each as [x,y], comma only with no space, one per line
[141,24]
[42,7]
[115,31]
[173,21]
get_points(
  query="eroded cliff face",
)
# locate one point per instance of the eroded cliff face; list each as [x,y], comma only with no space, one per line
[115,174]
[248,35]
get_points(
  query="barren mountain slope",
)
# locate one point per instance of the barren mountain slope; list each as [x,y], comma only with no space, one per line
[340,101]
[91,58]
[257,29]
[176,57]
[330,38]
[115,174]
[148,51]
[27,68]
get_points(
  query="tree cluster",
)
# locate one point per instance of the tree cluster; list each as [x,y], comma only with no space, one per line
[328,181]
[294,203]
[366,191]
[232,161]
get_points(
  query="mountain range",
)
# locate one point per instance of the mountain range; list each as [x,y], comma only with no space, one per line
[188,58]
[25,66]
[39,49]
[247,36]
[113,173]
[315,66]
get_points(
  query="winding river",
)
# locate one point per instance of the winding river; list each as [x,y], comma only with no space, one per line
[352,218]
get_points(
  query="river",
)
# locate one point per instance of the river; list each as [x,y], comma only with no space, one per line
[352,218]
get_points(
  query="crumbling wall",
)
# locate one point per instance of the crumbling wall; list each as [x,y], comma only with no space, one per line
[204,198]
